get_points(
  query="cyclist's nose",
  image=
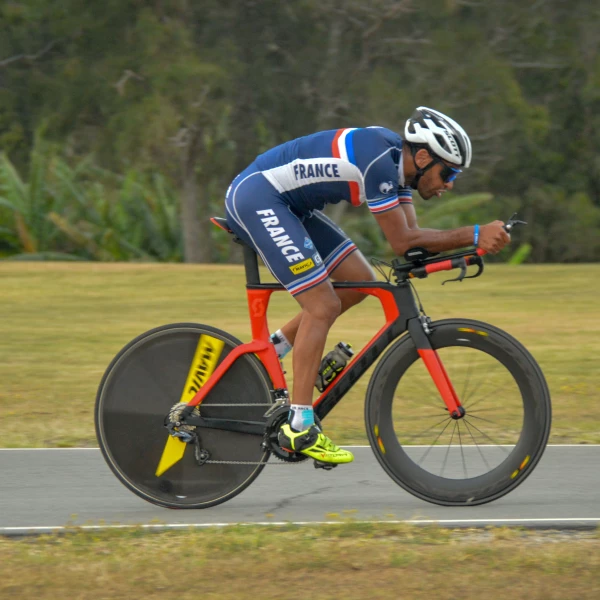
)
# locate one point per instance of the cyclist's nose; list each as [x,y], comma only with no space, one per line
[449,185]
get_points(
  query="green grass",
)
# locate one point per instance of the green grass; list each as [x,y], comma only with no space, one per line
[62,324]
[346,560]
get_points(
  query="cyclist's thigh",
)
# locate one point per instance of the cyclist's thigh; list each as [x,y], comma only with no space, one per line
[261,218]
[354,267]
[333,245]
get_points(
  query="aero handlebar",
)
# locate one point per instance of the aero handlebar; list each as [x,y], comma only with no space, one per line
[424,265]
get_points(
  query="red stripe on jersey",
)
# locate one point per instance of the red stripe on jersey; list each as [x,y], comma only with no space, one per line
[311,284]
[354,193]
[335,151]
[340,258]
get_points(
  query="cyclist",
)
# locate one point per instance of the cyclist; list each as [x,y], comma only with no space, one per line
[275,206]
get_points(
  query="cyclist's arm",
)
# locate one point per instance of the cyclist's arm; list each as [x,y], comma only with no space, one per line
[399,225]
[400,228]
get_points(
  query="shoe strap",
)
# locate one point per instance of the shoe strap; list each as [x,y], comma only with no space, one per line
[327,443]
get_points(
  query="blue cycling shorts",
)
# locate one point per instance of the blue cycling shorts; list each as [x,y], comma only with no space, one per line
[300,251]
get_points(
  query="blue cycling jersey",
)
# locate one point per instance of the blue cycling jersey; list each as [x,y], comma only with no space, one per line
[274,204]
[354,164]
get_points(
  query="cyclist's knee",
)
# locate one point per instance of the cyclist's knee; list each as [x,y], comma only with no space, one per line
[324,307]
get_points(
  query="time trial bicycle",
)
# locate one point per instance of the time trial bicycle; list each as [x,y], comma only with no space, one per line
[457,411]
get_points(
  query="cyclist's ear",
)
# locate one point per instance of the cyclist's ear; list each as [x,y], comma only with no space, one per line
[422,158]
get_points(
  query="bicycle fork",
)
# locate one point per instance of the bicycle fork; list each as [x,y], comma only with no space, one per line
[419,332]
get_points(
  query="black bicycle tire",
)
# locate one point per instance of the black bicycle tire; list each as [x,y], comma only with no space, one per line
[255,366]
[468,492]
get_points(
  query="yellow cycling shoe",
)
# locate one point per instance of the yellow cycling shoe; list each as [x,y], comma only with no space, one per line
[311,442]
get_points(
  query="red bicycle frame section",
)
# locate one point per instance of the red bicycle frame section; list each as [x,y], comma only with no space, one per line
[401,314]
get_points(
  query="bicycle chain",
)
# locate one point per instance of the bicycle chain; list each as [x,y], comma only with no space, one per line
[281,463]
[211,405]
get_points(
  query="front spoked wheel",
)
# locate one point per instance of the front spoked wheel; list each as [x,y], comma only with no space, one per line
[146,379]
[472,460]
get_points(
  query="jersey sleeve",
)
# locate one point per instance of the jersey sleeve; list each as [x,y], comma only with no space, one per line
[381,184]
[377,152]
[404,194]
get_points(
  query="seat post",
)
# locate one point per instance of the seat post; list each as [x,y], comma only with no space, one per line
[251,265]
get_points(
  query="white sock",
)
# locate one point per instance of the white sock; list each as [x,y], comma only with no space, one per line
[281,343]
[301,417]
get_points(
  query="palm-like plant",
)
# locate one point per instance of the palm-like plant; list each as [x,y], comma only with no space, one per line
[24,227]
[64,212]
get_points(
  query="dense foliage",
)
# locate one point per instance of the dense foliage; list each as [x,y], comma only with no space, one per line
[123,122]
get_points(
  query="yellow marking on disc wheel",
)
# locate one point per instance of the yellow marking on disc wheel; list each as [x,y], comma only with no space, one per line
[172,454]
[203,364]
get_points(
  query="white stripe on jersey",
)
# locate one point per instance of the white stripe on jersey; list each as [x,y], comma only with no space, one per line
[342,143]
[304,171]
[376,159]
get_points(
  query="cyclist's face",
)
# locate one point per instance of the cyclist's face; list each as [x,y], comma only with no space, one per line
[435,180]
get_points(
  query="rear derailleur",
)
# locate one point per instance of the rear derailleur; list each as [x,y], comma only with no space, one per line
[186,433]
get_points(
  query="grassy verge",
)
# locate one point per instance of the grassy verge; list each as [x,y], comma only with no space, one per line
[61,325]
[340,561]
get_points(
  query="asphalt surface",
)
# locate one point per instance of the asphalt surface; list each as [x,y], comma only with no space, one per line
[42,490]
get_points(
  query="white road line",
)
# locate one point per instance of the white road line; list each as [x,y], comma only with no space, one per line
[158,526]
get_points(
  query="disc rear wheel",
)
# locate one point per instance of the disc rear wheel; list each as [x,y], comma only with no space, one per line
[151,374]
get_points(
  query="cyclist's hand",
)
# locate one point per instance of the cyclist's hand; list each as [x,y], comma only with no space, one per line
[492,237]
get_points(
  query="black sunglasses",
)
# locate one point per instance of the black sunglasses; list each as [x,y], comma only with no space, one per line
[447,173]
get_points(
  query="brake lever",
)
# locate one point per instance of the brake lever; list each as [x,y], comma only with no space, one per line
[477,260]
[480,266]
[463,272]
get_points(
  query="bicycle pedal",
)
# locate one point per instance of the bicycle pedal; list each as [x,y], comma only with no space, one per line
[324,465]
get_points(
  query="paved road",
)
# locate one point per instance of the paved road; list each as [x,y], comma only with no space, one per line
[45,489]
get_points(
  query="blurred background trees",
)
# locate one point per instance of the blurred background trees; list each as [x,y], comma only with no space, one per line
[122,123]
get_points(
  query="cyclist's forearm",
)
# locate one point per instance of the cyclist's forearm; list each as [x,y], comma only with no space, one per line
[436,240]
[400,228]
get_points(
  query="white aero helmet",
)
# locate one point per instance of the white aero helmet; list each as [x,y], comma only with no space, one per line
[444,136]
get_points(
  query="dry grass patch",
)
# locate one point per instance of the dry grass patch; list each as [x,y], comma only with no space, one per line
[340,561]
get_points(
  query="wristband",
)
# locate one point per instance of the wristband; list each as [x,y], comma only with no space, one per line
[475,235]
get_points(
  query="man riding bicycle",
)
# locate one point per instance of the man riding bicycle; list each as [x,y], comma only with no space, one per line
[274,206]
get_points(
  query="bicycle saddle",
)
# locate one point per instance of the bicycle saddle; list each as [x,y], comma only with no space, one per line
[222,223]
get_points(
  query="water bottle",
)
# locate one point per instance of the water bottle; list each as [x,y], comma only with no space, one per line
[333,364]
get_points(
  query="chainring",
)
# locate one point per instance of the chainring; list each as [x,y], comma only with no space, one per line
[276,420]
